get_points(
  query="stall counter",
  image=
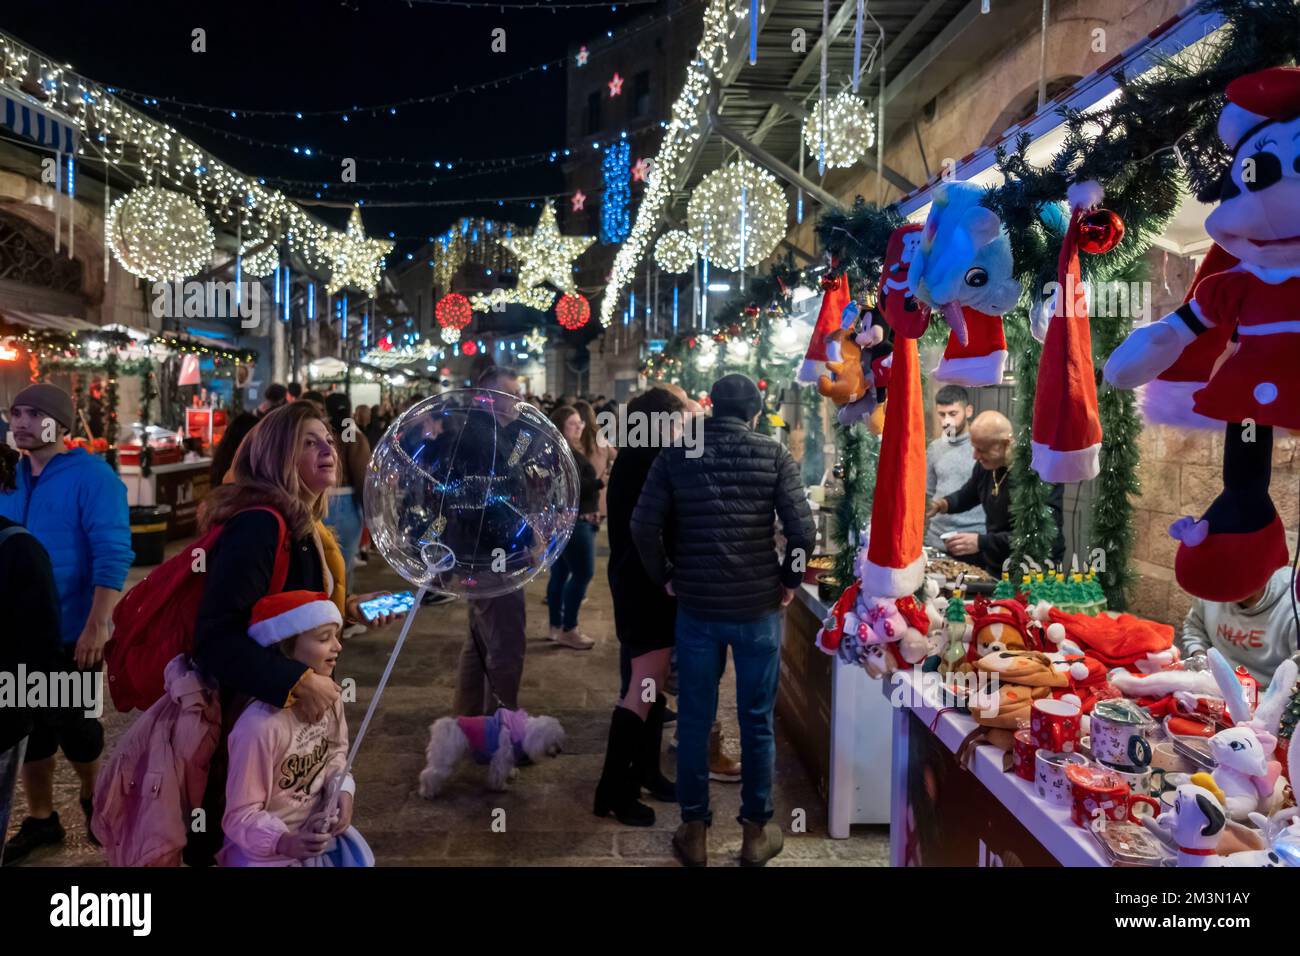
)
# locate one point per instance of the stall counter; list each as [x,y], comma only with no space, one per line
[837,720]
[182,485]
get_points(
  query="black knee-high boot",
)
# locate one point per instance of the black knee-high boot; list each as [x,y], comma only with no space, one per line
[648,772]
[617,791]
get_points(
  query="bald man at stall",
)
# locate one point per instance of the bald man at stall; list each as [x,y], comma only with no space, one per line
[989,485]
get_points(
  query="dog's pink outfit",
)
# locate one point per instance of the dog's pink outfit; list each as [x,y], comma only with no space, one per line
[484,733]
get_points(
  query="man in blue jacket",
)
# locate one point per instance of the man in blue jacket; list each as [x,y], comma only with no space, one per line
[75,506]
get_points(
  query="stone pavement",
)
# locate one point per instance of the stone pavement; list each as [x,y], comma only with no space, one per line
[547,811]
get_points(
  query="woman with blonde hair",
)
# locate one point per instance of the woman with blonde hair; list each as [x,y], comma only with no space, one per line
[282,474]
[595,449]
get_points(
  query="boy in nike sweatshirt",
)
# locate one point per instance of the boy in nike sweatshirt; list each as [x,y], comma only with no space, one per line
[1258,633]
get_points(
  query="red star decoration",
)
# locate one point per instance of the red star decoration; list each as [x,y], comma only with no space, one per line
[641,170]
[615,85]
[578,199]
[582,56]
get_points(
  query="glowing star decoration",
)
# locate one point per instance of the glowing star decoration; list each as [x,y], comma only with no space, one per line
[615,85]
[547,256]
[675,252]
[578,200]
[850,130]
[160,235]
[641,170]
[538,298]
[583,56]
[535,341]
[736,196]
[357,261]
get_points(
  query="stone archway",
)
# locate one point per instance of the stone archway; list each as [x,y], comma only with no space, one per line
[1025,104]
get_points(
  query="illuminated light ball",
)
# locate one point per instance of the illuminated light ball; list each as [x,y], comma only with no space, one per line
[453,311]
[675,252]
[160,235]
[470,347]
[573,311]
[450,336]
[762,385]
[472,492]
[727,197]
[850,130]
[1100,231]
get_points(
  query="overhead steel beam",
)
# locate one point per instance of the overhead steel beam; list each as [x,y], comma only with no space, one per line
[766,159]
[781,101]
[811,59]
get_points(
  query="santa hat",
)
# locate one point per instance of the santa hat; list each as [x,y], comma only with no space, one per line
[1167,400]
[1067,428]
[277,617]
[1257,99]
[834,300]
[981,359]
[906,314]
[895,565]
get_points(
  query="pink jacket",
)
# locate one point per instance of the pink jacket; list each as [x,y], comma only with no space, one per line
[155,778]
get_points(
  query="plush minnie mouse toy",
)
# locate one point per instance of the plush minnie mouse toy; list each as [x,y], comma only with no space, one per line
[1230,552]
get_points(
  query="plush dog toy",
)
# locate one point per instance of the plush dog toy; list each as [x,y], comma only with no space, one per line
[1232,549]
[502,741]
[848,383]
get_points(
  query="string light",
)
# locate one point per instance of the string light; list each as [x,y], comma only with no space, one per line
[740,212]
[536,298]
[675,252]
[683,130]
[850,130]
[546,255]
[614,224]
[159,234]
[357,261]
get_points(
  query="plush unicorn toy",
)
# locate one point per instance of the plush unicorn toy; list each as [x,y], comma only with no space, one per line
[963,270]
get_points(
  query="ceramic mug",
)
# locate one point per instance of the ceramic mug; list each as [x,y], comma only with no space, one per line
[1050,782]
[1164,756]
[1022,754]
[1119,733]
[1055,725]
[1097,791]
[1149,780]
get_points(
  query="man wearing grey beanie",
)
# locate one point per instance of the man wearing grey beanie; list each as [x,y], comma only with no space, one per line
[718,506]
[75,506]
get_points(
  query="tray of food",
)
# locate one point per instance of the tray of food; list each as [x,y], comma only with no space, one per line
[818,564]
[947,569]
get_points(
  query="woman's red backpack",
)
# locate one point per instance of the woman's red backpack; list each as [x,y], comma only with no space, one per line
[155,620]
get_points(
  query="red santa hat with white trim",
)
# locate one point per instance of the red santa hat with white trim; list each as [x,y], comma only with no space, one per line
[895,565]
[1067,428]
[278,617]
[835,297]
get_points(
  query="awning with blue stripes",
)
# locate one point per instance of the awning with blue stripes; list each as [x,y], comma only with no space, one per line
[21,116]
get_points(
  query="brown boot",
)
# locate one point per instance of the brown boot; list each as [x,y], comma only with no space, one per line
[761,842]
[691,843]
[722,768]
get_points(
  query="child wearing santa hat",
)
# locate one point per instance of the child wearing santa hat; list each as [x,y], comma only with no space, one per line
[283,771]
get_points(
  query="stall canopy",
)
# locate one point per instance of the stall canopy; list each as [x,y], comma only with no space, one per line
[43,320]
[24,118]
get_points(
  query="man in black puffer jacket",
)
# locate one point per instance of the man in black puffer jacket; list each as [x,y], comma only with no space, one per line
[721,502]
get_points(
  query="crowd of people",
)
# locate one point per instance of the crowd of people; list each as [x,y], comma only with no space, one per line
[694,572]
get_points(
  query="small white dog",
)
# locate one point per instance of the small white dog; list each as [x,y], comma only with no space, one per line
[501,741]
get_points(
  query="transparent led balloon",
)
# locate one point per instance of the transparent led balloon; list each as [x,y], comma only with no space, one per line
[473,492]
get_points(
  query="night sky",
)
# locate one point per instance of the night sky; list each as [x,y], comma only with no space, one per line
[324,54]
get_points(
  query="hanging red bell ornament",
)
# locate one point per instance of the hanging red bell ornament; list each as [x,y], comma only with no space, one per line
[573,311]
[1100,231]
[453,311]
[762,385]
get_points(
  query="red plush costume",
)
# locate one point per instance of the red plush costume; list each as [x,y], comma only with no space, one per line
[1231,551]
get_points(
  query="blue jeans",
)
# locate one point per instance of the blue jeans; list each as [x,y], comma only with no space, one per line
[701,657]
[570,575]
[344,518]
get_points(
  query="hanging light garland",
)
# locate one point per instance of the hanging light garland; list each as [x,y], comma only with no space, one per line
[573,311]
[160,235]
[538,298]
[683,130]
[739,212]
[675,252]
[850,130]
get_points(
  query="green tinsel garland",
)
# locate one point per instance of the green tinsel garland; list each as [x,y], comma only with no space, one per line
[859,457]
